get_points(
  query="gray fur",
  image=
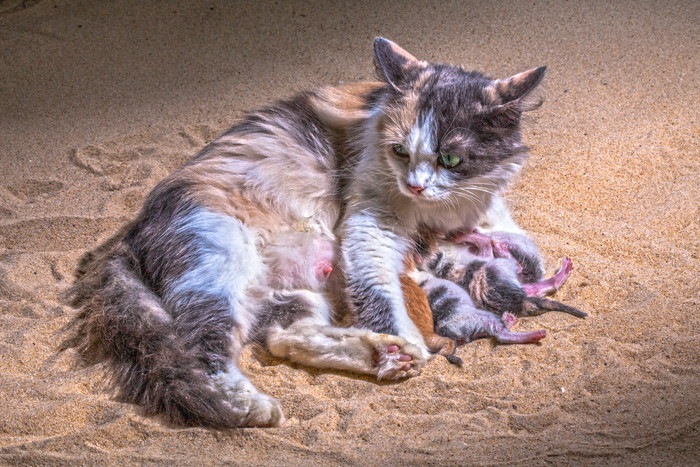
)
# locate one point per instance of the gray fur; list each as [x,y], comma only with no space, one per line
[154,361]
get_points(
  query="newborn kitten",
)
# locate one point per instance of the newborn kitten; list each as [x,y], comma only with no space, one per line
[456,317]
[420,312]
[492,270]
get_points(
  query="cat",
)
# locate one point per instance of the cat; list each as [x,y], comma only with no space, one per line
[456,317]
[169,305]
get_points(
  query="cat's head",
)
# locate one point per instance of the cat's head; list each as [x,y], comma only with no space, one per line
[448,133]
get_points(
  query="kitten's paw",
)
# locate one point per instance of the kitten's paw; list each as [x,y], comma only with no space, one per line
[509,320]
[394,357]
[567,266]
[554,283]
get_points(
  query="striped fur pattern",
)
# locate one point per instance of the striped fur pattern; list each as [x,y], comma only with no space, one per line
[209,262]
[421,314]
[506,280]
[456,317]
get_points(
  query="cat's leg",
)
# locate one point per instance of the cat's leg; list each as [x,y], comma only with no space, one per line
[297,327]
[211,327]
[215,309]
[373,258]
[172,354]
[220,331]
[253,408]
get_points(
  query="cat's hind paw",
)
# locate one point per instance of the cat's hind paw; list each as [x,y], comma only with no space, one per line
[248,406]
[256,409]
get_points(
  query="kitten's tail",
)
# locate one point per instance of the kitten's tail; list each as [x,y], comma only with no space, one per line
[534,306]
[122,323]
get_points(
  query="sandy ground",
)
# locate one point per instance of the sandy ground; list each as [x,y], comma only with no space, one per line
[99,100]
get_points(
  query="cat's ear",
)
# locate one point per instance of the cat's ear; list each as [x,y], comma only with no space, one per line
[394,65]
[509,98]
[517,89]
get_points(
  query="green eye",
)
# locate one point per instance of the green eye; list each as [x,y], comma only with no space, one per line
[399,150]
[450,160]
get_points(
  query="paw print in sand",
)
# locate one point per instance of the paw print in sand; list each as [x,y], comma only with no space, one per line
[120,168]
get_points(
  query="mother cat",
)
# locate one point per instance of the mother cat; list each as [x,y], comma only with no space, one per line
[169,306]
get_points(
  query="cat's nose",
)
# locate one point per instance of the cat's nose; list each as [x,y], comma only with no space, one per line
[415,189]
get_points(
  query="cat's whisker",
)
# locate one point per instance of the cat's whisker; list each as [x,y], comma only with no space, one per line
[480,190]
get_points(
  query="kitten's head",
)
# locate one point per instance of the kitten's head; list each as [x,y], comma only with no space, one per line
[448,133]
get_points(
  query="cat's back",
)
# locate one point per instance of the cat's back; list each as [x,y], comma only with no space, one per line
[284,163]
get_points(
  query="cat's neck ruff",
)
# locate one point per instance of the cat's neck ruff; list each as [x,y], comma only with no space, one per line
[447,216]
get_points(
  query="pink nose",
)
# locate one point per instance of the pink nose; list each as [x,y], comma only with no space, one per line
[416,190]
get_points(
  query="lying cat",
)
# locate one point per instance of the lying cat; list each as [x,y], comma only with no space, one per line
[170,304]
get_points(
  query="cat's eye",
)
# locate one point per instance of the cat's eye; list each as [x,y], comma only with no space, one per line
[450,160]
[399,150]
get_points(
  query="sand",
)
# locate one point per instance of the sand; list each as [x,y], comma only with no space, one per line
[100,100]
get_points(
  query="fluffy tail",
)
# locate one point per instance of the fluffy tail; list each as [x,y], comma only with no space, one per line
[534,306]
[122,322]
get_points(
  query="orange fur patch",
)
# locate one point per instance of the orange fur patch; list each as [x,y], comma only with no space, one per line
[419,311]
[343,106]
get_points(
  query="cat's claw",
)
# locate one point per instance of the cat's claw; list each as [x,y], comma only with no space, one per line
[394,357]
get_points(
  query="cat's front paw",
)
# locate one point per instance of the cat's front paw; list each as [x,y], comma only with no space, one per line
[394,357]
